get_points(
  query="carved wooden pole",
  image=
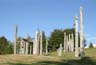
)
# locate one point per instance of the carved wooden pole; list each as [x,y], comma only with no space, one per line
[76,37]
[81,33]
[41,41]
[27,44]
[72,42]
[65,42]
[46,47]
[15,38]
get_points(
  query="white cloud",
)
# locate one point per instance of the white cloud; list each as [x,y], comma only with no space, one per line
[86,47]
[94,45]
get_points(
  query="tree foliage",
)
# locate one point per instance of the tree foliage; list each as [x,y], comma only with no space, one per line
[55,39]
[6,47]
[91,45]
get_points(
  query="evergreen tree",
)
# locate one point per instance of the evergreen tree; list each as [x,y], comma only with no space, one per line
[91,45]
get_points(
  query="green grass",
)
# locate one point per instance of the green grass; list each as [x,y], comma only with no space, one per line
[91,52]
[67,55]
[52,59]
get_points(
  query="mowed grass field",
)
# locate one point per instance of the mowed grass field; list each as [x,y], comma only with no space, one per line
[51,59]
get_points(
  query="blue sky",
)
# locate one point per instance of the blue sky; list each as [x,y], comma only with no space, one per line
[46,15]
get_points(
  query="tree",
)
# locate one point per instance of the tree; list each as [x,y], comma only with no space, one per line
[5,46]
[3,43]
[9,48]
[56,39]
[91,45]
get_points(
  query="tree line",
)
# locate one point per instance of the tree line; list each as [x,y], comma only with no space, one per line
[54,41]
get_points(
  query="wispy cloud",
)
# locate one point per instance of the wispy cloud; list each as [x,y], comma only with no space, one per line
[94,45]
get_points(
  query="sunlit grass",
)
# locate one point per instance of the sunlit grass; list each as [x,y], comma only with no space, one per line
[52,59]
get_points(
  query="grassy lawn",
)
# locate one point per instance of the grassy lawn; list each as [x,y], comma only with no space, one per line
[51,59]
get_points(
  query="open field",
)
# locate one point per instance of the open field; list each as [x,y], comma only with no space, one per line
[52,59]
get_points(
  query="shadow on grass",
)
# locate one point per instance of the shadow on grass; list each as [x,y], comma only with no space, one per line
[83,61]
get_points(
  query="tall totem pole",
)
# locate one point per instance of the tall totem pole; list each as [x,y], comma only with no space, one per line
[15,38]
[81,33]
[76,37]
